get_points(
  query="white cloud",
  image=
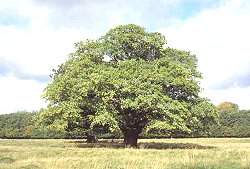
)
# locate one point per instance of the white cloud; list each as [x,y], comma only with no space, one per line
[234,95]
[220,39]
[19,95]
[38,51]
[34,49]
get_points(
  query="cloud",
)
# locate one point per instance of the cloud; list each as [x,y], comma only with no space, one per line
[236,81]
[38,35]
[19,94]
[96,15]
[102,15]
[219,37]
[28,53]
[7,69]
[236,95]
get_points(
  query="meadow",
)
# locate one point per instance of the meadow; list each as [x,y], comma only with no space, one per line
[194,153]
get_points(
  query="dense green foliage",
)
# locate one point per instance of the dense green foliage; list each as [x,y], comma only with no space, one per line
[127,82]
[17,125]
[233,122]
[24,125]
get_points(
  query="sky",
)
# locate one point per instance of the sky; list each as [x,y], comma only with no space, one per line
[38,35]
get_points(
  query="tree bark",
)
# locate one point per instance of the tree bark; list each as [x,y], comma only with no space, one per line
[130,139]
[91,138]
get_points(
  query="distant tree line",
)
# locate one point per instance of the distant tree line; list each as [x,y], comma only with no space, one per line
[232,123]
[17,125]
[22,124]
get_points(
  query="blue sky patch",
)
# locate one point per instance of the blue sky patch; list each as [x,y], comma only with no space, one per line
[13,20]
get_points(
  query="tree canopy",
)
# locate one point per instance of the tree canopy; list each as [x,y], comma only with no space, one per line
[127,81]
[233,122]
[17,125]
[228,107]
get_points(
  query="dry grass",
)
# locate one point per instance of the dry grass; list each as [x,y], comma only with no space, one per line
[154,153]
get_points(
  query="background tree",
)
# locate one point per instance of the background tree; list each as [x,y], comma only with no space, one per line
[14,125]
[228,107]
[127,81]
[233,122]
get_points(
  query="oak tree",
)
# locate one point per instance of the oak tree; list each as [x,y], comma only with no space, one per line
[127,81]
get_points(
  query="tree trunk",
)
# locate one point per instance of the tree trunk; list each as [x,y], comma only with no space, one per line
[130,139]
[91,138]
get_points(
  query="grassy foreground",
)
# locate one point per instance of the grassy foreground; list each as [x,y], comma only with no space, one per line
[212,153]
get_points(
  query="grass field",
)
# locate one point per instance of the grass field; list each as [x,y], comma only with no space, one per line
[211,153]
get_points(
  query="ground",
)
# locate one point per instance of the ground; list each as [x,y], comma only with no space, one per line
[212,153]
